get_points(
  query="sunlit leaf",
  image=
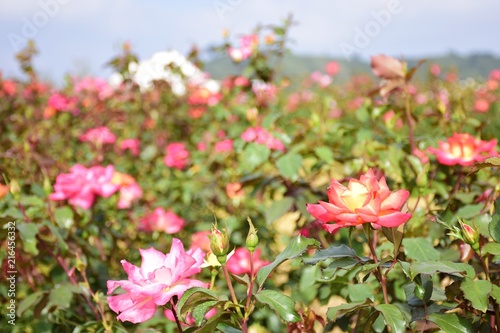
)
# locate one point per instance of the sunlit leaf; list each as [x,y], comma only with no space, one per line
[282,304]
[477,292]
[451,322]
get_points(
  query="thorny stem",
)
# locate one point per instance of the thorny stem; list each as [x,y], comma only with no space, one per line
[249,294]
[378,273]
[409,120]
[179,327]
[231,289]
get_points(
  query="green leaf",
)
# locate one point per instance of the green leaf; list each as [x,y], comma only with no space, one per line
[477,292]
[394,235]
[148,153]
[254,155]
[31,200]
[491,248]
[393,317]
[339,311]
[420,249]
[55,231]
[282,304]
[278,209]
[341,251]
[489,162]
[451,323]
[210,325]
[495,293]
[325,154]
[470,211]
[448,267]
[289,165]
[64,217]
[28,232]
[61,296]
[358,292]
[195,296]
[295,248]
[30,301]
[201,310]
[494,228]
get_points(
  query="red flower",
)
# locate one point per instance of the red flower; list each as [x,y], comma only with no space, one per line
[363,201]
[463,149]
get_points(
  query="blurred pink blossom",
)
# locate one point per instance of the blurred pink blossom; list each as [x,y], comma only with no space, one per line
[239,263]
[98,86]
[435,69]
[161,220]
[495,74]
[59,102]
[332,68]
[224,146]
[261,136]
[463,149]
[200,240]
[132,145]
[81,185]
[176,155]
[8,87]
[248,44]
[160,277]
[98,136]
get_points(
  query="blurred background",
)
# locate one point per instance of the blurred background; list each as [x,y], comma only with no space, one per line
[80,37]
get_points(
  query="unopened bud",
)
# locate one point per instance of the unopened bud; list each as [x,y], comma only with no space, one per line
[252,238]
[15,189]
[219,243]
[470,235]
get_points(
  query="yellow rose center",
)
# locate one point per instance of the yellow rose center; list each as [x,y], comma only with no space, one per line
[462,150]
[355,195]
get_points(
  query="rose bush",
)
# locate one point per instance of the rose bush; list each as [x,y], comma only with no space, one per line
[311,205]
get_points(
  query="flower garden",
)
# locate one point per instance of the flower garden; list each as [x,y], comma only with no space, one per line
[163,200]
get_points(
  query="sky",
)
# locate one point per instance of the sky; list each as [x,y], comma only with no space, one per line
[79,37]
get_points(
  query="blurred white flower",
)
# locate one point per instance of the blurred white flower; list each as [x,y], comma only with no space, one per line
[172,67]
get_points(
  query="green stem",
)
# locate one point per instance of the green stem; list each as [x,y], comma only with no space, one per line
[231,290]
[409,120]
[378,273]
[177,321]
[249,294]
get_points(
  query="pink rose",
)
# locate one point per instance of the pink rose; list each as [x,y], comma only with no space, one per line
[98,136]
[176,155]
[239,262]
[161,220]
[160,277]
[463,149]
[363,201]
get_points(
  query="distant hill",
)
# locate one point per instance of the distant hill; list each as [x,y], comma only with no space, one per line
[477,66]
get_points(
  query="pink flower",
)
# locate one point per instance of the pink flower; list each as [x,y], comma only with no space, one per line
[248,44]
[261,136]
[129,189]
[160,277]
[234,190]
[422,155]
[8,87]
[81,185]
[363,201]
[481,105]
[435,69]
[463,149]
[495,75]
[200,240]
[323,80]
[224,146]
[96,85]
[332,68]
[239,262]
[264,92]
[161,220]
[132,145]
[59,102]
[176,155]
[98,136]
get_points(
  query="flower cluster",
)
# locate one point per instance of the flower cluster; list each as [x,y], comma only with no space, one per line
[98,136]
[81,186]
[261,136]
[248,44]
